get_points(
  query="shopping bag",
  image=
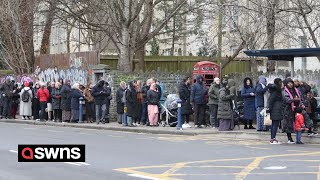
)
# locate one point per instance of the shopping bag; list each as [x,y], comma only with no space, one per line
[267,120]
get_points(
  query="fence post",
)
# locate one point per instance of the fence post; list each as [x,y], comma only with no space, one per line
[179,115]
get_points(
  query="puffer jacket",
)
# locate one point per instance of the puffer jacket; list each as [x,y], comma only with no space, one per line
[225,105]
[198,92]
[299,122]
[275,102]
[214,93]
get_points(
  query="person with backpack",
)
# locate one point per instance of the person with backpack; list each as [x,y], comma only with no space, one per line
[26,97]
[120,103]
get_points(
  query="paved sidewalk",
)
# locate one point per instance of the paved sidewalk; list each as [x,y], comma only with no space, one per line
[236,134]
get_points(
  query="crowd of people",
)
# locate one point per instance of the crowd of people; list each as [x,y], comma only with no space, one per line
[291,103]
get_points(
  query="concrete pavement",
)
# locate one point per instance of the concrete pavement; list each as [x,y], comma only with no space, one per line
[235,134]
[125,155]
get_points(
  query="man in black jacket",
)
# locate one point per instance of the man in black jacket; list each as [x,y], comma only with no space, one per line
[198,100]
[99,93]
[7,95]
[108,99]
[144,115]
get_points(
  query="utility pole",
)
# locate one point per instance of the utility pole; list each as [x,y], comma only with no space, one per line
[220,19]
[303,41]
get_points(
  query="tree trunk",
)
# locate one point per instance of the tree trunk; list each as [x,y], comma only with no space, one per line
[271,28]
[45,43]
[140,55]
[125,63]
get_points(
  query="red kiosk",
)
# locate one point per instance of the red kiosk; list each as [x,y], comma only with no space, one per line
[208,70]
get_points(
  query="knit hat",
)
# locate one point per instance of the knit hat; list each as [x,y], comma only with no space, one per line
[216,79]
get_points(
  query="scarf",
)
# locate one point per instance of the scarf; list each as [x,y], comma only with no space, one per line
[291,97]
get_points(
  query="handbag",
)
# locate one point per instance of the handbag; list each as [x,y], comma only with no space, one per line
[267,119]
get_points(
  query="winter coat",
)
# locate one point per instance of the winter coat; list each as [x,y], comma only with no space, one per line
[56,98]
[100,95]
[88,96]
[50,92]
[249,103]
[198,92]
[299,122]
[8,89]
[288,113]
[225,104]
[43,95]
[145,90]
[120,104]
[275,102]
[260,91]
[132,102]
[214,93]
[184,93]
[76,94]
[66,97]
[107,91]
[26,107]
[153,97]
[233,90]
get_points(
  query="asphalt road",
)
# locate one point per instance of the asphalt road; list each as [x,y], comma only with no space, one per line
[118,155]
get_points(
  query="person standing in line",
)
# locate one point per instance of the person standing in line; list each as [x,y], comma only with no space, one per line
[49,104]
[198,100]
[43,95]
[66,101]
[100,96]
[89,103]
[15,101]
[248,94]
[137,121]
[261,90]
[184,94]
[107,90]
[275,108]
[26,97]
[225,108]
[7,98]
[144,113]
[299,125]
[76,94]
[292,99]
[36,102]
[213,102]
[153,101]
[132,103]
[120,103]
[56,102]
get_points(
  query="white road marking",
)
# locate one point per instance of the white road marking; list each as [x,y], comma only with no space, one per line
[83,163]
[73,163]
[30,128]
[13,151]
[86,134]
[143,177]
[275,167]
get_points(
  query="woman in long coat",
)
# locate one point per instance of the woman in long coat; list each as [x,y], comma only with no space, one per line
[248,94]
[184,93]
[56,102]
[75,94]
[292,99]
[225,108]
[66,101]
[26,107]
[120,103]
[132,103]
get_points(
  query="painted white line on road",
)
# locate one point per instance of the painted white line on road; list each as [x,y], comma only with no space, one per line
[13,151]
[83,163]
[275,167]
[87,134]
[30,128]
[76,164]
[143,177]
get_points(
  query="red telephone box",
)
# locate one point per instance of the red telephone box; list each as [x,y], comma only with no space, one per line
[208,70]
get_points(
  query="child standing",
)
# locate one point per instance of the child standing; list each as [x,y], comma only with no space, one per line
[299,125]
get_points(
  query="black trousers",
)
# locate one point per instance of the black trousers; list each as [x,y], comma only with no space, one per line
[213,108]
[274,128]
[57,114]
[6,107]
[199,114]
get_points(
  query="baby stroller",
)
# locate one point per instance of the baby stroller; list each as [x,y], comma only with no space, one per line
[169,112]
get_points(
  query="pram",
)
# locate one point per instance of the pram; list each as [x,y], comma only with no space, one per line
[169,111]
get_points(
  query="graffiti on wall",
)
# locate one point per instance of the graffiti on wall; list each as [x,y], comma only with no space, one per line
[72,74]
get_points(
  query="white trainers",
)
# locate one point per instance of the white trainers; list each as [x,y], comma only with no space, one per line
[202,126]
[291,142]
[274,141]
[23,118]
[188,125]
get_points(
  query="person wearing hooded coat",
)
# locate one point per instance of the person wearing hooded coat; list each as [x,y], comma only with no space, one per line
[66,101]
[56,102]
[153,102]
[248,94]
[35,102]
[100,95]
[225,108]
[292,99]
[120,103]
[75,94]
[7,97]
[108,100]
[132,103]
[275,107]
[213,102]
[198,100]
[261,90]
[26,107]
[184,94]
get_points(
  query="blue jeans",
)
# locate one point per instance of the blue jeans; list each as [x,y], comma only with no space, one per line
[298,136]
[100,112]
